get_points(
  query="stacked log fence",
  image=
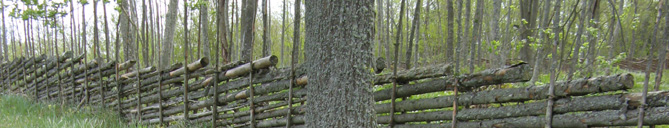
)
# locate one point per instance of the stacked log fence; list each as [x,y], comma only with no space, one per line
[256,94]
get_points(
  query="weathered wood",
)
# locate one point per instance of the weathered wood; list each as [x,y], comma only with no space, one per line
[257,64]
[280,122]
[653,116]
[415,74]
[578,87]
[202,62]
[565,105]
[489,77]
[138,72]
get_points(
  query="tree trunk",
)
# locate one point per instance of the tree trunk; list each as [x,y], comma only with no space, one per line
[283,33]
[592,37]
[540,55]
[145,36]
[107,47]
[266,39]
[128,29]
[96,40]
[204,28]
[222,21]
[4,33]
[632,50]
[388,32]
[451,31]
[414,26]
[296,33]
[168,37]
[497,5]
[578,42]
[249,8]
[476,38]
[349,90]
[461,37]
[528,16]
[663,50]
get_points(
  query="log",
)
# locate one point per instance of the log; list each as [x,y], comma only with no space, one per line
[202,62]
[257,64]
[595,103]
[578,87]
[280,122]
[653,116]
[415,74]
[136,72]
[519,73]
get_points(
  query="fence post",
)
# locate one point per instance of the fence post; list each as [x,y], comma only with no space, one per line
[139,86]
[454,121]
[186,50]
[252,106]
[160,88]
[215,84]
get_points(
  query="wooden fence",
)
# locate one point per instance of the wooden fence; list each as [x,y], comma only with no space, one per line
[423,97]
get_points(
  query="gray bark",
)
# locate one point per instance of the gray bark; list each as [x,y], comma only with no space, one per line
[4,33]
[476,34]
[249,8]
[495,32]
[128,29]
[578,41]
[107,47]
[528,14]
[204,28]
[451,30]
[168,37]
[339,30]
[266,37]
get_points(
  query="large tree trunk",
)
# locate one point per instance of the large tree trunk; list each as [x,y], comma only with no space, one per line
[145,36]
[296,33]
[414,26]
[168,38]
[204,28]
[335,32]
[249,8]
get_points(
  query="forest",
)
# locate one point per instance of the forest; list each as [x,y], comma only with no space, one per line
[561,40]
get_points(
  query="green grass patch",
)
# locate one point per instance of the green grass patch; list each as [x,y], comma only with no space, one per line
[18,111]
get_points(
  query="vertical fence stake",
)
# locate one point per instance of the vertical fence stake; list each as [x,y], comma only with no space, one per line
[186,50]
[252,106]
[60,86]
[289,116]
[454,120]
[160,89]
[215,84]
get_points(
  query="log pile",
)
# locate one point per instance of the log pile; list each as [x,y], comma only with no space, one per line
[588,102]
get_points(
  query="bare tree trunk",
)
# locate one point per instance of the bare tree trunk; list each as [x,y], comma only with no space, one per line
[540,55]
[249,8]
[554,63]
[663,50]
[83,28]
[476,38]
[128,29]
[330,39]
[96,38]
[145,36]
[168,37]
[463,49]
[204,28]
[107,47]
[387,30]
[414,27]
[497,5]
[577,41]
[296,32]
[222,16]
[594,19]
[73,29]
[283,33]
[528,16]
[4,33]
[632,50]
[266,39]
[451,31]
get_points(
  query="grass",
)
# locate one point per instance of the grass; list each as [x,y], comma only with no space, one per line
[17,111]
